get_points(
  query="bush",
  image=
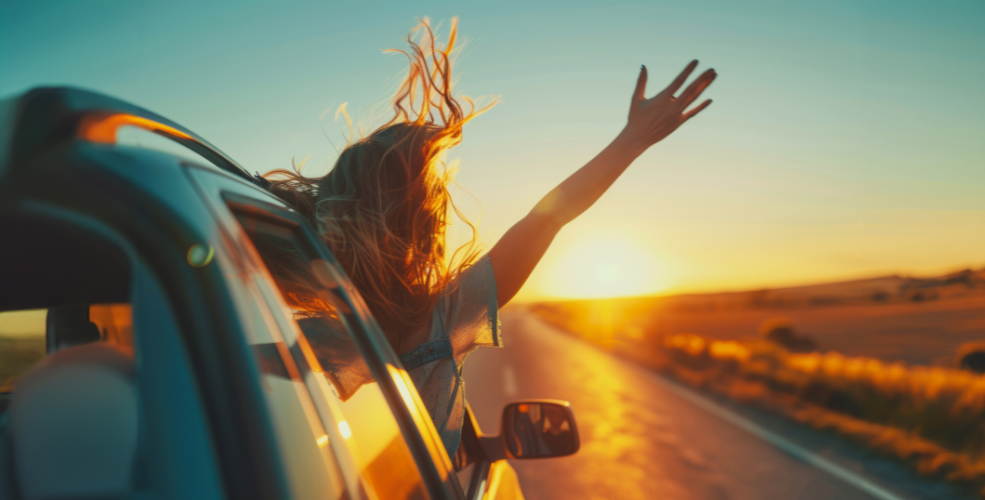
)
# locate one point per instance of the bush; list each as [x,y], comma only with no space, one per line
[971,357]
[780,331]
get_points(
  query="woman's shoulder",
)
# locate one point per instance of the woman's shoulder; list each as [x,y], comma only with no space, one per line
[470,290]
[468,311]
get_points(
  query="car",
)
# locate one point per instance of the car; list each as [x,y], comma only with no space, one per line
[149,348]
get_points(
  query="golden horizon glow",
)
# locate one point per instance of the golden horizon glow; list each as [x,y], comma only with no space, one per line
[604,264]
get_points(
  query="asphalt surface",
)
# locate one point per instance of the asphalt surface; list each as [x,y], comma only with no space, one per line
[644,437]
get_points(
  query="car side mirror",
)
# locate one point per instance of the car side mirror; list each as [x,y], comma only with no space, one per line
[535,429]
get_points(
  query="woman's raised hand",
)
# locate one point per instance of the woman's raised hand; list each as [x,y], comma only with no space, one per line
[650,120]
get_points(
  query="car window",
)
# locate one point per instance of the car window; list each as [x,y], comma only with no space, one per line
[23,342]
[70,295]
[357,417]
[311,470]
[70,292]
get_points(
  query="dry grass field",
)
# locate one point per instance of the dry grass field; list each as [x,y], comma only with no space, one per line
[916,321]
[875,360]
[16,356]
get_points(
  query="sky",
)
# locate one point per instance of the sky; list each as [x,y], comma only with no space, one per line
[845,139]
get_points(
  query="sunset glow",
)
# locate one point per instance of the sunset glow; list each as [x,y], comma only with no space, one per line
[770,187]
[605,264]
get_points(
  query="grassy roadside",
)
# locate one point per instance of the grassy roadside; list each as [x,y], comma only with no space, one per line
[16,356]
[933,418]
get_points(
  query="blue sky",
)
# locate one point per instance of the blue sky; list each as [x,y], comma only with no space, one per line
[845,139]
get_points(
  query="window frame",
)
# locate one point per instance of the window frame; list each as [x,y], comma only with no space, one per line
[367,336]
[226,197]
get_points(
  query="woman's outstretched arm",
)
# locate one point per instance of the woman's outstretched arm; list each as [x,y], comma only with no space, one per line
[650,120]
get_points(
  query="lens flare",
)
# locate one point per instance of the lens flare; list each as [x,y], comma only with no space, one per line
[344,429]
[200,255]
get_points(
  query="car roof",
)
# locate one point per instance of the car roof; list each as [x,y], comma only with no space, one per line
[62,140]
[47,117]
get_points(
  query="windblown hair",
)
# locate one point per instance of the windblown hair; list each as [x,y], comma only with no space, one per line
[384,207]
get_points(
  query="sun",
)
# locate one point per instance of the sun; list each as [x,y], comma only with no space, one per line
[605,264]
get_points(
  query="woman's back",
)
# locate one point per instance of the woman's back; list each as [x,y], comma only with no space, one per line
[384,207]
[463,320]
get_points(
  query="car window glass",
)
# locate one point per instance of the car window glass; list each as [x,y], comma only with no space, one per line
[311,469]
[318,339]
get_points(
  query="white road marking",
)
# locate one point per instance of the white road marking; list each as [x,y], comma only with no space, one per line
[509,381]
[783,444]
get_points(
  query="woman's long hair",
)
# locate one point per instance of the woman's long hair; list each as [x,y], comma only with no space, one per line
[384,207]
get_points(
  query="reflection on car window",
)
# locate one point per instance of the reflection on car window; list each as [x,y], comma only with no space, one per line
[366,424]
[311,470]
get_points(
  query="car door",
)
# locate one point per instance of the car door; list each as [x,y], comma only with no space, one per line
[372,416]
[281,425]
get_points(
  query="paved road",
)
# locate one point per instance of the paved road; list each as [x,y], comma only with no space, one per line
[644,437]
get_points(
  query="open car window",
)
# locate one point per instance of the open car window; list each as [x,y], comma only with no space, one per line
[332,341]
[27,336]
[53,298]
[91,366]
[321,342]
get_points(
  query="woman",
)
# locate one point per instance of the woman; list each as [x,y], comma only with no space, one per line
[384,206]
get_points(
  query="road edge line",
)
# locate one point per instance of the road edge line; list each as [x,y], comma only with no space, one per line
[785,445]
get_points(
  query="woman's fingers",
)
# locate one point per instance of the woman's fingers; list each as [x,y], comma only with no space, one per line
[640,85]
[690,114]
[681,78]
[660,115]
[698,86]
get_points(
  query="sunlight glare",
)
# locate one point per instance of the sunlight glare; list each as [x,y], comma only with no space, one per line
[344,429]
[605,264]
